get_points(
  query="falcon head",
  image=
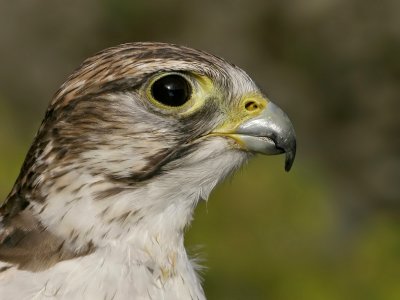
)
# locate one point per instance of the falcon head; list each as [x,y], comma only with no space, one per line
[134,138]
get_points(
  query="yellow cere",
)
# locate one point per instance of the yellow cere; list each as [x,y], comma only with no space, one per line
[250,105]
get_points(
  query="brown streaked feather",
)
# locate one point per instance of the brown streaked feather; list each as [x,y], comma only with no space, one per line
[118,66]
[26,244]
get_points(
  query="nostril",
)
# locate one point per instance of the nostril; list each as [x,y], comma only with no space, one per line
[252,105]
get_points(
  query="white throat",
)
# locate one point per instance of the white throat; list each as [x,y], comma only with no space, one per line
[140,229]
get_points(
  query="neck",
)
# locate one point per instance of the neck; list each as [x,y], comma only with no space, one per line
[140,239]
[142,221]
[103,213]
[135,227]
[85,207]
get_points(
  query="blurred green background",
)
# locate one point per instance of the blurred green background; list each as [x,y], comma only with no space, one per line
[329,229]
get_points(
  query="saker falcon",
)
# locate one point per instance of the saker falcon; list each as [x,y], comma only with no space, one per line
[131,142]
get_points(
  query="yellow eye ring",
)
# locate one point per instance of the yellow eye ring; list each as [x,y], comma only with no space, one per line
[170,90]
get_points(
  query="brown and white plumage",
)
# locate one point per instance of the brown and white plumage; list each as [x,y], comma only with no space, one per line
[113,175]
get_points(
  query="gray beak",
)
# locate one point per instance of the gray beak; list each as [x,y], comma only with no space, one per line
[270,132]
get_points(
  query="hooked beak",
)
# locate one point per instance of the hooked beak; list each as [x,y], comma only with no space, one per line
[270,132]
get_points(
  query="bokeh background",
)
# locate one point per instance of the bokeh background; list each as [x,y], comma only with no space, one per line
[329,229]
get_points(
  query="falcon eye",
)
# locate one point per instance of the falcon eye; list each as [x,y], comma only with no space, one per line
[171,90]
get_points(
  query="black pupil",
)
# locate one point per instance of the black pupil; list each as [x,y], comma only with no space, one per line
[171,90]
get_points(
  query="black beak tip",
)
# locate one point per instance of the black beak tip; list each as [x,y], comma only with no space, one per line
[289,159]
